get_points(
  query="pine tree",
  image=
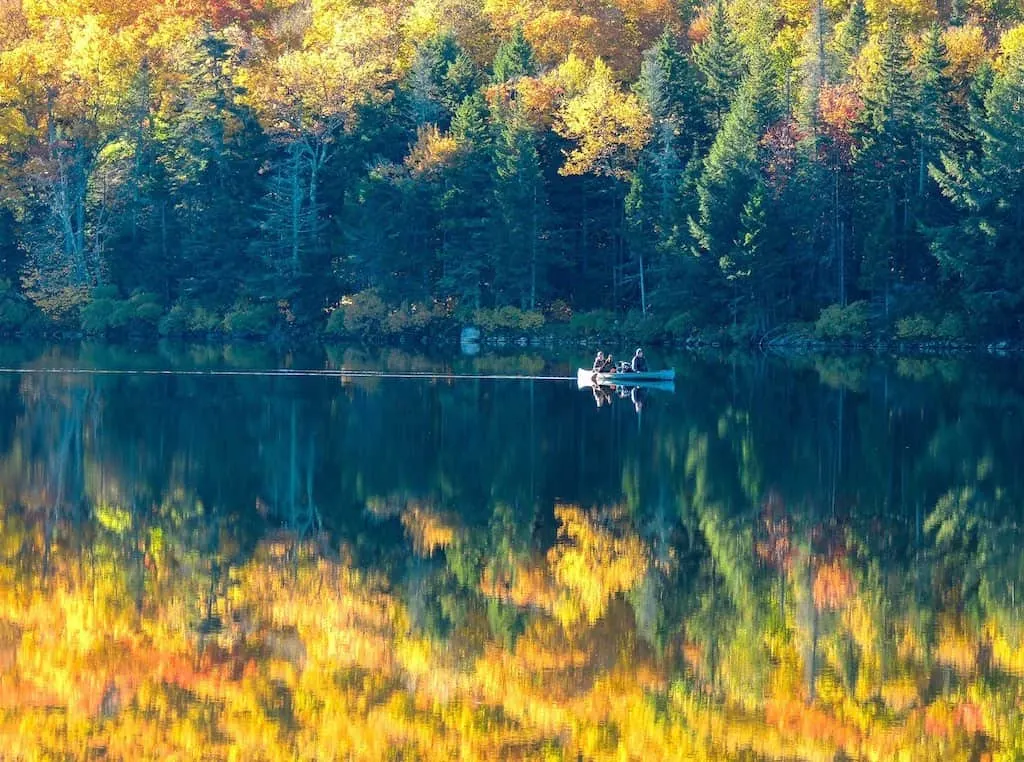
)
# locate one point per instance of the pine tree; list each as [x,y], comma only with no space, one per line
[441,77]
[523,252]
[424,98]
[984,251]
[461,80]
[669,88]
[514,59]
[850,37]
[885,164]
[731,167]
[720,60]
[939,117]
[814,71]
[466,209]
[670,85]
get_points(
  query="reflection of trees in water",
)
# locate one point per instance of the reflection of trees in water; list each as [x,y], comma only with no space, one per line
[772,566]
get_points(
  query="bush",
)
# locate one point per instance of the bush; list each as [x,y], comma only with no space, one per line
[142,310]
[921,328]
[362,314]
[247,319]
[16,312]
[642,328]
[106,312]
[406,318]
[531,320]
[591,323]
[422,315]
[915,327]
[849,322]
[508,319]
[189,320]
[202,320]
[175,322]
[951,327]
[100,315]
[485,320]
[681,325]
[559,311]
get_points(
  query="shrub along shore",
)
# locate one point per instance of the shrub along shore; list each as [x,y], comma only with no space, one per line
[366,318]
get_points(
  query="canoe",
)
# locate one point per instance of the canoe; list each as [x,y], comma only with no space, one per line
[659,378]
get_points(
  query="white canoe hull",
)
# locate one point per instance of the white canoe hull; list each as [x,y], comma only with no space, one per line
[587,378]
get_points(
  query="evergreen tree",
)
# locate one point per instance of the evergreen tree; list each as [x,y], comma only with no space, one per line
[720,60]
[885,161]
[672,93]
[984,251]
[441,77]
[466,208]
[670,85]
[461,80]
[11,257]
[814,74]
[732,169]
[209,149]
[424,97]
[849,38]
[939,117]
[514,59]
[523,251]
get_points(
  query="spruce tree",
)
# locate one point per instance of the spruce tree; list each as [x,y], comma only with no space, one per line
[720,60]
[522,251]
[465,206]
[850,37]
[514,59]
[984,251]
[885,160]
[670,85]
[940,120]
[731,167]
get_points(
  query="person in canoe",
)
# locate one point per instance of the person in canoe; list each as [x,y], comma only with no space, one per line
[599,361]
[639,364]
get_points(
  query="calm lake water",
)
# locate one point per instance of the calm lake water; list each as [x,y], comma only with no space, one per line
[809,559]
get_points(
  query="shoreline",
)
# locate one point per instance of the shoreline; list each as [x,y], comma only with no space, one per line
[786,345]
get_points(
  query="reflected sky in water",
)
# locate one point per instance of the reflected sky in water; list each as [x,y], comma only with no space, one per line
[808,559]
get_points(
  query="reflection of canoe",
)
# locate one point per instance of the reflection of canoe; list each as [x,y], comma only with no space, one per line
[655,379]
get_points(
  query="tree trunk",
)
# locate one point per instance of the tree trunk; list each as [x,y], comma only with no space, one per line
[643,288]
[296,205]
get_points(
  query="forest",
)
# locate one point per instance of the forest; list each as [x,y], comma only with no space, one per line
[369,168]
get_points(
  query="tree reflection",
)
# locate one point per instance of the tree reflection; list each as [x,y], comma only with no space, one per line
[281,568]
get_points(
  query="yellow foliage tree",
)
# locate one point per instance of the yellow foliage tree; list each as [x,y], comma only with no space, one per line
[608,126]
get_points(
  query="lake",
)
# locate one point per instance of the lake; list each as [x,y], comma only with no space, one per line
[815,558]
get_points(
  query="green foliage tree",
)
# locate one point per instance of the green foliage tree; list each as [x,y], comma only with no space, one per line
[850,37]
[523,252]
[514,59]
[465,206]
[732,163]
[884,164]
[983,250]
[720,60]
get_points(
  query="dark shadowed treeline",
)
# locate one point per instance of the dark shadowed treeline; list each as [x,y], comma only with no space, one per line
[382,167]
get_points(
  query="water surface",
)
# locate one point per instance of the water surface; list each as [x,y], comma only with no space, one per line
[815,559]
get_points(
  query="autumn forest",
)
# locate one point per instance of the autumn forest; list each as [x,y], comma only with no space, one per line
[383,167]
